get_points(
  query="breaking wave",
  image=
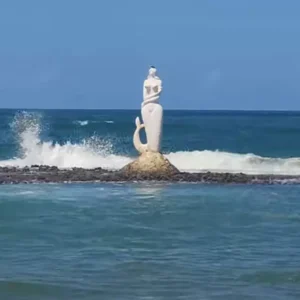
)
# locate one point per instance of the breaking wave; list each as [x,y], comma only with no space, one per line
[96,152]
[217,161]
[89,153]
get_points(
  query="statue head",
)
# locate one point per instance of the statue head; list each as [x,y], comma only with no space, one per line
[152,72]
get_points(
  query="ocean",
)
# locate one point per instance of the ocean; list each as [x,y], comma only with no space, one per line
[150,240]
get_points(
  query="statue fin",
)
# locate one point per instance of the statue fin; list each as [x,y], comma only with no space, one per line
[137,122]
[136,137]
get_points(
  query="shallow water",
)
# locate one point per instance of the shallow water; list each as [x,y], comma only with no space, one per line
[149,241]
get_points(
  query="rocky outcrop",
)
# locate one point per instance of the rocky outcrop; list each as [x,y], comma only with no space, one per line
[150,163]
[134,173]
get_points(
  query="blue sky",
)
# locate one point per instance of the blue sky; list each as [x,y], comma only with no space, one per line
[210,54]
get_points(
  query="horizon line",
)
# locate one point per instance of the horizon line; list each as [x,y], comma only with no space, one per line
[170,109]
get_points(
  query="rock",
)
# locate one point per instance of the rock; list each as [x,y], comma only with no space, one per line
[8,169]
[43,168]
[149,166]
[26,169]
[150,163]
[54,169]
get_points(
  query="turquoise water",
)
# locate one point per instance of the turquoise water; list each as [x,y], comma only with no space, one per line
[149,241]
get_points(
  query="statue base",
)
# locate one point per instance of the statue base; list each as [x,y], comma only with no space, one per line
[150,163]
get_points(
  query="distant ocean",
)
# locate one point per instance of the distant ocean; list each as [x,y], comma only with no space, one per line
[249,142]
[150,240]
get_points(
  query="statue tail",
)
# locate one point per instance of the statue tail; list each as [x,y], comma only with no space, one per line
[136,137]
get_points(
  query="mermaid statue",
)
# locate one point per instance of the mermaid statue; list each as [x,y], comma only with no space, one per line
[152,115]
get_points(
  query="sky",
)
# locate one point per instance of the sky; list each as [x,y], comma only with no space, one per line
[95,54]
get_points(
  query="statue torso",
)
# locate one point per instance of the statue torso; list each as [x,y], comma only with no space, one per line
[152,88]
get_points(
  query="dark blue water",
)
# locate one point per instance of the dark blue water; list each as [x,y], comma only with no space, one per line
[250,142]
[150,241]
[274,134]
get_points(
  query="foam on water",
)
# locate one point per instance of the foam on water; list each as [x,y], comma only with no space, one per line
[90,153]
[96,152]
[218,161]
[82,123]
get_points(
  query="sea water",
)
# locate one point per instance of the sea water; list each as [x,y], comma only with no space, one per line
[150,240]
[249,142]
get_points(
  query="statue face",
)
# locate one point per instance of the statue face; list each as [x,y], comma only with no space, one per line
[152,71]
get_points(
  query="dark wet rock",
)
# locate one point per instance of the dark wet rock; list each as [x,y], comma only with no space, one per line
[44,168]
[42,174]
[53,169]
[8,169]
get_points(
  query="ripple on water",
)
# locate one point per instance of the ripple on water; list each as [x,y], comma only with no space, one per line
[135,241]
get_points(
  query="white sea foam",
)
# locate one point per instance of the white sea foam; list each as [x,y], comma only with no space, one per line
[216,161]
[95,152]
[68,155]
[90,153]
[82,123]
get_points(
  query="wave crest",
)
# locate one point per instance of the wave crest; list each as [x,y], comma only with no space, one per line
[95,152]
[89,153]
[82,123]
[217,161]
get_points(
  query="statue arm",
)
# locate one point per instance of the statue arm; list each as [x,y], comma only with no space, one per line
[160,88]
[144,92]
[156,90]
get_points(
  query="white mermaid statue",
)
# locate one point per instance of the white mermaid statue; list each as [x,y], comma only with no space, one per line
[152,114]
